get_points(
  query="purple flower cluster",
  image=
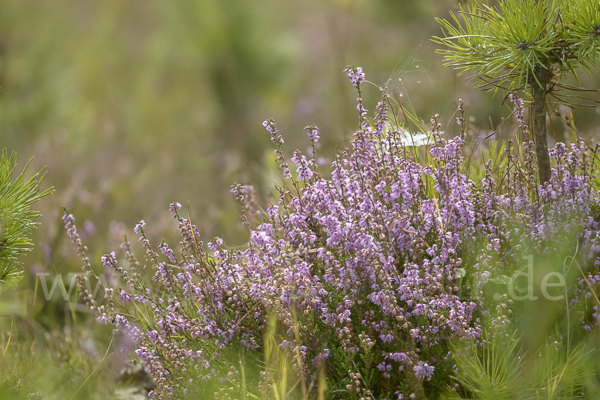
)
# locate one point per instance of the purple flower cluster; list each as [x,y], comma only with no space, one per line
[519,109]
[356,75]
[423,370]
[379,266]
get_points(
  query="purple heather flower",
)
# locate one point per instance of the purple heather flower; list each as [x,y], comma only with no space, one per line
[215,244]
[68,219]
[153,335]
[423,370]
[162,268]
[356,75]
[164,248]
[399,357]
[173,207]
[519,108]
[140,225]
[109,260]
[272,129]
[313,133]
[125,297]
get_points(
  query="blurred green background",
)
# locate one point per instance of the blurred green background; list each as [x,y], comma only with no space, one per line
[131,105]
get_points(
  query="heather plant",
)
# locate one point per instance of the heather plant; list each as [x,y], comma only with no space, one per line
[525,45]
[360,284]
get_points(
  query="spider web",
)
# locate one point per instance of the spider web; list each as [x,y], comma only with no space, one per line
[412,74]
[412,84]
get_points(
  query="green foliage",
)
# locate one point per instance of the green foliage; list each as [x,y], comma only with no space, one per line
[489,371]
[505,46]
[500,369]
[584,19]
[525,45]
[16,216]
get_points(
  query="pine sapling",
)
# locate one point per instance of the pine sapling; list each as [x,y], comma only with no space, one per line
[525,45]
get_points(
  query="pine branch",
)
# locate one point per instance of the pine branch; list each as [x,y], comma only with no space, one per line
[16,216]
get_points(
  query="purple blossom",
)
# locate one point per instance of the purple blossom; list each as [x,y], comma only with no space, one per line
[313,133]
[109,260]
[215,244]
[173,207]
[68,219]
[164,248]
[356,75]
[125,297]
[423,370]
[139,227]
[272,129]
[519,109]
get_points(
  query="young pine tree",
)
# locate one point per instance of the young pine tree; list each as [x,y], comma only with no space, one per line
[525,45]
[16,217]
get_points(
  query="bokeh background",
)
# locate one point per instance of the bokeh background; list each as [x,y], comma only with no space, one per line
[131,105]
